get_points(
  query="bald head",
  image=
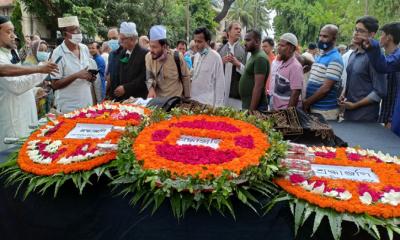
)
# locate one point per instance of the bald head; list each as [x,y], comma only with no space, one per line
[327,37]
[331,29]
[112,33]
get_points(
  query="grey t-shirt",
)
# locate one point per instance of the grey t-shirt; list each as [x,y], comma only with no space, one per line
[363,81]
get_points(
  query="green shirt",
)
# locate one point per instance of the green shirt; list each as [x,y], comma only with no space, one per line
[257,64]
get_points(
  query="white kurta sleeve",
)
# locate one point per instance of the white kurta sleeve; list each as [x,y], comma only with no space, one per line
[21,84]
[219,82]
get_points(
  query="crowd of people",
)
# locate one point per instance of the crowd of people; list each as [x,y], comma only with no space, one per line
[357,83]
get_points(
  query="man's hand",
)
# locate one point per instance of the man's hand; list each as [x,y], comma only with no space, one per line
[119,91]
[306,106]
[350,105]
[152,93]
[48,68]
[366,42]
[84,74]
[235,62]
[232,59]
[227,58]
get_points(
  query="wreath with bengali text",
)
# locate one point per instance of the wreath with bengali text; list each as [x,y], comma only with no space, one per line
[51,154]
[348,195]
[200,158]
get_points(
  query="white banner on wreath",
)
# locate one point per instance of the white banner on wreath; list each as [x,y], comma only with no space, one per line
[84,130]
[344,172]
[198,141]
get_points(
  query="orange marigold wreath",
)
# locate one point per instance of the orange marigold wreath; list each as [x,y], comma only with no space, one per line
[240,145]
[47,147]
[388,186]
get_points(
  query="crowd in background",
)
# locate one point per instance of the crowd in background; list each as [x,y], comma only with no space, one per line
[355,82]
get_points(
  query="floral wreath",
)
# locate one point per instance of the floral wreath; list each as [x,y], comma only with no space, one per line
[51,154]
[240,146]
[367,204]
[174,156]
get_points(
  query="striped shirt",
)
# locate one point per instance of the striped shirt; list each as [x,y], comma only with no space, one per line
[327,66]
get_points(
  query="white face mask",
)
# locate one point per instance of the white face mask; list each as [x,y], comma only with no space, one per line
[42,56]
[76,38]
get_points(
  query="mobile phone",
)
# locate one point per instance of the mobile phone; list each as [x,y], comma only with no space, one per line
[93,71]
[50,55]
[58,60]
[48,78]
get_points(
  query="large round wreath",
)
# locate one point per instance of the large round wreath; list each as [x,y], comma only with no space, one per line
[48,157]
[154,165]
[366,204]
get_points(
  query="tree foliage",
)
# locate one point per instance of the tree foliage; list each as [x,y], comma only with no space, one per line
[305,17]
[169,13]
[302,17]
[16,18]
[96,16]
[90,12]
[251,13]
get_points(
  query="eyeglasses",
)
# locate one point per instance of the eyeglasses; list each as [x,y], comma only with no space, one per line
[360,30]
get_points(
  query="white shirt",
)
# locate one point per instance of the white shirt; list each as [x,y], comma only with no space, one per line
[17,102]
[309,56]
[208,81]
[105,55]
[77,94]
[97,82]
[345,58]
[231,102]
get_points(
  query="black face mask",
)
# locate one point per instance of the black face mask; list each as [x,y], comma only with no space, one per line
[324,45]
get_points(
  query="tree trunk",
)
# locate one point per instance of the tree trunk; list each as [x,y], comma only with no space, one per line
[221,15]
[187,21]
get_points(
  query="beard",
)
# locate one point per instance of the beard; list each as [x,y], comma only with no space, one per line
[11,45]
[156,56]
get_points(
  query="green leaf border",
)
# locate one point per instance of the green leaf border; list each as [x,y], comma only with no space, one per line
[303,210]
[28,182]
[153,187]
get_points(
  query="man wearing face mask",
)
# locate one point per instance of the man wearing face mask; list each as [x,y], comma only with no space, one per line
[163,76]
[113,36]
[288,77]
[112,79]
[74,82]
[325,76]
[132,66]
[365,87]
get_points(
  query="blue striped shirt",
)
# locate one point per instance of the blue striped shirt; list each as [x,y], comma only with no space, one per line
[327,66]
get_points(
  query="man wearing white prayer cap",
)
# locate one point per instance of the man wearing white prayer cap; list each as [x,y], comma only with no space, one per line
[167,74]
[132,68]
[17,99]
[74,82]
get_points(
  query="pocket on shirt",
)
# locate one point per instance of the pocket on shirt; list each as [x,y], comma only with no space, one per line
[282,87]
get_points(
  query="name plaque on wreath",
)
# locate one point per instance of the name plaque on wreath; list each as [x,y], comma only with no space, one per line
[360,174]
[84,130]
[198,141]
